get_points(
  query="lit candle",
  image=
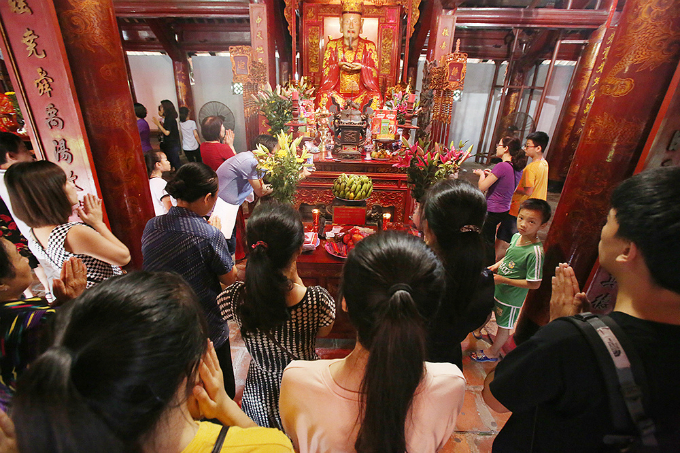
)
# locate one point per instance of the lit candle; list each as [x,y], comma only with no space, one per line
[296,95]
[315,217]
[386,219]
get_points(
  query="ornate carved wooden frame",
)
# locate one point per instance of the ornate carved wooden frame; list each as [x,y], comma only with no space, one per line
[241,58]
[415,9]
[388,43]
[456,66]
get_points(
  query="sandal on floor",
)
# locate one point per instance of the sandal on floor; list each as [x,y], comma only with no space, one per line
[480,357]
[480,337]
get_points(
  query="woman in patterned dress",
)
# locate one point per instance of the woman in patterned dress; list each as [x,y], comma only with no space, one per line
[24,323]
[43,198]
[278,316]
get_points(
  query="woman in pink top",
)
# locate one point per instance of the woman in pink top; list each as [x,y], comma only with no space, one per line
[383,396]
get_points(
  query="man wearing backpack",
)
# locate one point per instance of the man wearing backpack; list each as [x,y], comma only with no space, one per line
[553,383]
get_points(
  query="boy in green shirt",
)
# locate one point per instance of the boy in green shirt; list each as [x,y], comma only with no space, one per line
[519,271]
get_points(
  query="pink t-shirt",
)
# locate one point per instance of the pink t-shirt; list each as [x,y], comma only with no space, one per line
[320,416]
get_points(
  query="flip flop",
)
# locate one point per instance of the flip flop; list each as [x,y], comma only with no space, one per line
[480,357]
[480,337]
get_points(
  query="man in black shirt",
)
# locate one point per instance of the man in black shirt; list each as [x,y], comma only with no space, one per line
[552,383]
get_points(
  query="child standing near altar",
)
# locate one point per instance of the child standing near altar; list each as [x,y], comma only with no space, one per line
[519,271]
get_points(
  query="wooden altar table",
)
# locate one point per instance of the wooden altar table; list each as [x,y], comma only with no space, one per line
[389,185]
[319,268]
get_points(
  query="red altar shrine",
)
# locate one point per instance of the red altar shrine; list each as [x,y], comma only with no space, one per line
[389,185]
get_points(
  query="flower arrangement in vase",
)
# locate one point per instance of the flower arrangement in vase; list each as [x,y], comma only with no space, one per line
[283,166]
[398,103]
[427,163]
[277,105]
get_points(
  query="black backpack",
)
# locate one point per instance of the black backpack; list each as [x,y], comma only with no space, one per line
[626,383]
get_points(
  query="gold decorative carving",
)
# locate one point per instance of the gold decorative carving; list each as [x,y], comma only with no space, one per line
[386,199]
[607,129]
[314,197]
[314,51]
[88,27]
[648,41]
[19,7]
[112,71]
[29,39]
[386,50]
[455,68]
[415,13]
[258,72]
[288,14]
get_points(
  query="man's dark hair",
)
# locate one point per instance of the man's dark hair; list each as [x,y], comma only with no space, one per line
[9,144]
[538,205]
[539,138]
[648,213]
[211,128]
[268,141]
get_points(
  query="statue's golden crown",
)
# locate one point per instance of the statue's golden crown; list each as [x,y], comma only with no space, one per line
[352,6]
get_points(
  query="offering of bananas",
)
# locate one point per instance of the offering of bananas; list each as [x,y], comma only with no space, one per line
[380,154]
[353,187]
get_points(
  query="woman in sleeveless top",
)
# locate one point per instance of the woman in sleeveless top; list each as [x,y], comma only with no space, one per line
[43,198]
[278,316]
[499,184]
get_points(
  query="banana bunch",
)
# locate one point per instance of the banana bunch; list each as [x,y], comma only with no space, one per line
[353,187]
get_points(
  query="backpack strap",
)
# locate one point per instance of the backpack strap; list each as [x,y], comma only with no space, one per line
[220,439]
[625,396]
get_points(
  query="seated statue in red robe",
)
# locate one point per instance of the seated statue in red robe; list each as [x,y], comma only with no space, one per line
[350,64]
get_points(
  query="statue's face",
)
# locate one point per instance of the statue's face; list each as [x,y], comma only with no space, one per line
[350,25]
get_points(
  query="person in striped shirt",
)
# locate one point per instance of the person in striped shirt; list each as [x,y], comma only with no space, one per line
[519,271]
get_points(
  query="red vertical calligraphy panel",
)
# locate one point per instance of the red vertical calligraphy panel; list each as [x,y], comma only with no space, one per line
[34,52]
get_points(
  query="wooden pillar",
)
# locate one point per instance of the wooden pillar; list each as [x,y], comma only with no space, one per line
[563,147]
[637,73]
[180,64]
[181,70]
[98,66]
[127,66]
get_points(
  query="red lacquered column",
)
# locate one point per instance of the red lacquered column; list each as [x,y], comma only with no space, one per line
[640,65]
[96,56]
[561,152]
[185,97]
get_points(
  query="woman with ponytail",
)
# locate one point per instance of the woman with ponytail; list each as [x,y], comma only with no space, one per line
[383,397]
[182,241]
[499,185]
[278,316]
[131,370]
[452,216]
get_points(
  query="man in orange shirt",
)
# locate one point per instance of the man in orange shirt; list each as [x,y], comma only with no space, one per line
[534,184]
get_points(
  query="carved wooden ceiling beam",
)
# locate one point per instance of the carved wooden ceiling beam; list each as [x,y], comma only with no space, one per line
[180,8]
[530,18]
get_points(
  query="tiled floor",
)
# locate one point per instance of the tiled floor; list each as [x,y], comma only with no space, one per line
[477,424]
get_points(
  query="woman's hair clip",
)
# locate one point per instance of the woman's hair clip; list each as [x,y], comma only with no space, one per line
[468,228]
[262,243]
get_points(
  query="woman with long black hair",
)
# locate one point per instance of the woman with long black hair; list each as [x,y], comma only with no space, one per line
[278,315]
[384,396]
[170,143]
[132,370]
[452,217]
